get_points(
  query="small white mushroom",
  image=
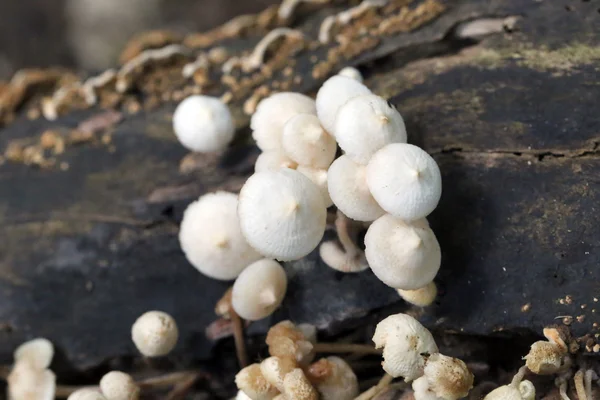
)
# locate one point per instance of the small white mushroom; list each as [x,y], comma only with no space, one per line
[351,72]
[154,333]
[402,255]
[274,369]
[336,91]
[405,181]
[319,178]
[447,377]
[253,384]
[37,352]
[211,238]
[421,297]
[282,214]
[406,345]
[273,160]
[203,124]
[259,290]
[117,385]
[271,115]
[523,391]
[347,185]
[86,394]
[366,124]
[25,382]
[307,143]
[334,379]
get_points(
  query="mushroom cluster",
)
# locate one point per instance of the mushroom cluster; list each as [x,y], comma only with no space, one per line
[410,352]
[31,377]
[290,373]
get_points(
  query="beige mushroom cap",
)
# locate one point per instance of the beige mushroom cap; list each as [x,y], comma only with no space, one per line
[347,185]
[274,369]
[402,255]
[307,143]
[544,358]
[37,352]
[251,381]
[26,382]
[117,385]
[335,379]
[405,343]
[421,297]
[336,91]
[271,115]
[282,214]
[405,181]
[448,377]
[273,160]
[366,124]
[211,238]
[259,290]
[155,333]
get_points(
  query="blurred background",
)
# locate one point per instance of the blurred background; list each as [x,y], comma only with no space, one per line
[89,34]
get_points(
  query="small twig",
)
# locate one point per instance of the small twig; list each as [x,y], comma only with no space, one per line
[383,383]
[345,348]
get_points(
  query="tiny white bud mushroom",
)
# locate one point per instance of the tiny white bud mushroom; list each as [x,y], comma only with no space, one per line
[286,340]
[26,382]
[319,178]
[271,115]
[86,394]
[117,385]
[333,379]
[347,185]
[336,91]
[366,124]
[282,214]
[405,181]
[37,352]
[307,143]
[211,238]
[544,358]
[259,290]
[154,333]
[274,369]
[406,344]
[524,391]
[402,255]
[447,377]
[421,297]
[251,381]
[203,124]
[296,386]
[273,161]
[351,72]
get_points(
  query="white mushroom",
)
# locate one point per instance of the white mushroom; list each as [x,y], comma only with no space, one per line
[422,391]
[154,333]
[347,185]
[406,345]
[211,238]
[271,115]
[421,297]
[203,124]
[334,379]
[402,255]
[37,352]
[274,370]
[351,72]
[405,181]
[86,394]
[336,91]
[117,385]
[319,178]
[366,124]
[307,143]
[447,377]
[25,382]
[259,290]
[273,160]
[253,384]
[282,214]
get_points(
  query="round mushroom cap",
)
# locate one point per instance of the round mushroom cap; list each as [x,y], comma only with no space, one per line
[203,124]
[544,358]
[253,384]
[117,385]
[525,391]
[25,381]
[282,214]
[352,73]
[336,91]
[335,379]
[405,181]
[271,115]
[366,124]
[211,238]
[154,333]
[37,352]
[274,369]
[296,386]
[422,391]
[448,377]
[406,344]
[273,160]
[319,178]
[421,297]
[403,255]
[86,394]
[259,290]
[306,142]
[347,186]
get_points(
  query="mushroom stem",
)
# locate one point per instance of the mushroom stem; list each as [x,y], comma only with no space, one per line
[238,337]
[345,348]
[383,383]
[579,385]
[590,375]
[518,376]
[182,388]
[346,230]
[561,382]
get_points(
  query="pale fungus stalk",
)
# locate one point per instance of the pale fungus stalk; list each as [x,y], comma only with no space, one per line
[225,309]
[117,385]
[580,385]
[348,258]
[421,297]
[383,383]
